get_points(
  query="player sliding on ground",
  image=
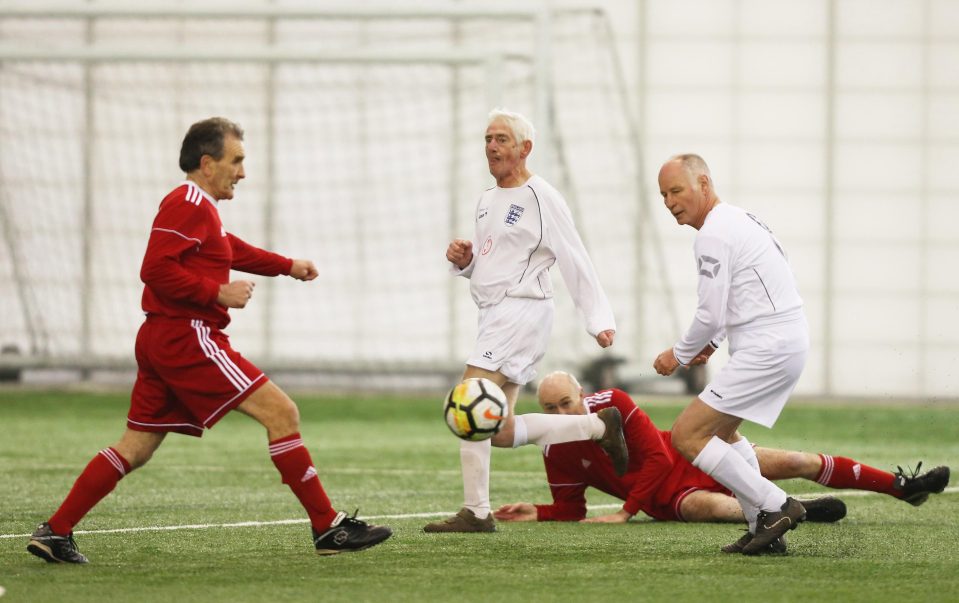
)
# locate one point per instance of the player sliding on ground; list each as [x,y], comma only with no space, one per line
[665,486]
[188,376]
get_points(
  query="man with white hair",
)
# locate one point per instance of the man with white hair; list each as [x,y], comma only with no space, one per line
[523,227]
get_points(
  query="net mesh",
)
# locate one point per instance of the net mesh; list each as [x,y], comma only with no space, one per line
[367,168]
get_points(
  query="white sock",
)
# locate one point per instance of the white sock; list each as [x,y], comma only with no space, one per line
[543,430]
[520,433]
[746,450]
[475,462]
[722,463]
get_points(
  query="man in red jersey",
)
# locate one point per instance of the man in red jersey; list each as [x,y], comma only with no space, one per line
[188,376]
[663,484]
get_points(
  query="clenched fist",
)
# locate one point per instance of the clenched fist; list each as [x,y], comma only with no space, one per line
[460,252]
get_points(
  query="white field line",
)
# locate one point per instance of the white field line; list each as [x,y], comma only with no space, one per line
[281,522]
[272,470]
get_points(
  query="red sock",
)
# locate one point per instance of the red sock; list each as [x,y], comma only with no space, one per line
[842,472]
[293,461]
[98,479]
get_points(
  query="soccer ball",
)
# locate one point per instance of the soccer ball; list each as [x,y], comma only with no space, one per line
[475,409]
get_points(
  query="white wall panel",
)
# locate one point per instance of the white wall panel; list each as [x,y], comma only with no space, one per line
[891,115]
[881,64]
[877,166]
[882,270]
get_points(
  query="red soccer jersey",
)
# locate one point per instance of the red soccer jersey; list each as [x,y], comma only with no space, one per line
[571,467]
[190,254]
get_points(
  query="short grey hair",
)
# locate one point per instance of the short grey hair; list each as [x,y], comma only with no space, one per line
[694,165]
[556,375]
[521,126]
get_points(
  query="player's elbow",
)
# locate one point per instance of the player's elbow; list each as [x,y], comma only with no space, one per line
[149,272]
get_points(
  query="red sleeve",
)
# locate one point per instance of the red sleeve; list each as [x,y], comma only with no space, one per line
[649,460]
[247,258]
[179,228]
[569,494]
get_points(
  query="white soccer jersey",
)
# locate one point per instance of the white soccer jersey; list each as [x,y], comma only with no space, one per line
[744,280]
[520,233]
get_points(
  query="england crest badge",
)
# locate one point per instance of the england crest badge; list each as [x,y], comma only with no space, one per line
[514,214]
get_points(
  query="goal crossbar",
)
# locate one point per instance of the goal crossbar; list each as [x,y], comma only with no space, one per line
[247,54]
[299,10]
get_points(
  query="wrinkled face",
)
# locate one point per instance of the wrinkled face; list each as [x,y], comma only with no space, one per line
[684,196]
[223,174]
[564,400]
[504,155]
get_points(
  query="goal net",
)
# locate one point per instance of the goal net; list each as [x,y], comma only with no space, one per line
[364,153]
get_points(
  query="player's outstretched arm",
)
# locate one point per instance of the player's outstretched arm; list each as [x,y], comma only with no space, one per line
[303,270]
[521,511]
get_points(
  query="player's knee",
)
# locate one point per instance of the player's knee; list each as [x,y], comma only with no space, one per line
[286,416]
[688,449]
[685,442]
[273,409]
[293,418]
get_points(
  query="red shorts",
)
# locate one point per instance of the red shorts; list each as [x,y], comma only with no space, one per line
[188,377]
[682,481]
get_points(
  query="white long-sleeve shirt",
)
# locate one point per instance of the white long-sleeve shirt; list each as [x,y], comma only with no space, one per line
[520,233]
[744,280]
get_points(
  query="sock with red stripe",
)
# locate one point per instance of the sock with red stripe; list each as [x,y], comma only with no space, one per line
[293,461]
[98,479]
[842,472]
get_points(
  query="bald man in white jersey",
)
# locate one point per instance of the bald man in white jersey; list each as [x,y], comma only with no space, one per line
[523,227]
[747,292]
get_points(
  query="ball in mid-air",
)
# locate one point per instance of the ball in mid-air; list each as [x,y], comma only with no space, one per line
[475,409]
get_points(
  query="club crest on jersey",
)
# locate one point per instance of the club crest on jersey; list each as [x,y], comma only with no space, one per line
[514,214]
[708,266]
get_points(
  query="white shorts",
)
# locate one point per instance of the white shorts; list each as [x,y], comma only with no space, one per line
[512,337]
[764,366]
